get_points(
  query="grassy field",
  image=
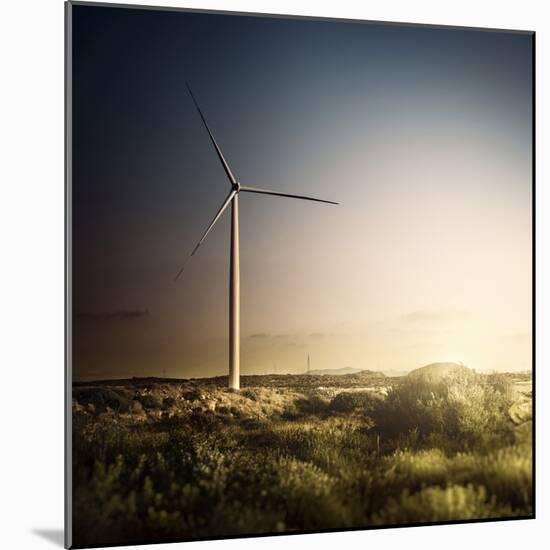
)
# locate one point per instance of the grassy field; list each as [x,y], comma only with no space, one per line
[159,459]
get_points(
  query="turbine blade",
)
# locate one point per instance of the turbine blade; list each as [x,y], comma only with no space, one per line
[216,218]
[216,146]
[212,223]
[268,192]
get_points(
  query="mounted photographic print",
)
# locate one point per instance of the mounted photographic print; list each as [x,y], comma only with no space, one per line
[299,275]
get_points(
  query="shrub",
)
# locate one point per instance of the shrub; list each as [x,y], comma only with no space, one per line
[441,504]
[204,420]
[502,384]
[308,494]
[250,394]
[192,394]
[235,411]
[168,403]
[251,424]
[313,404]
[464,407]
[149,401]
[117,399]
[349,401]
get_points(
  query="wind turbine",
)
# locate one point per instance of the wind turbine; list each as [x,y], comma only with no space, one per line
[234,270]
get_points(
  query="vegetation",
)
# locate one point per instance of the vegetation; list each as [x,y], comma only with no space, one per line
[198,461]
[463,408]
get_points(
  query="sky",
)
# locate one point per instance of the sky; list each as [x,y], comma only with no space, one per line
[423,135]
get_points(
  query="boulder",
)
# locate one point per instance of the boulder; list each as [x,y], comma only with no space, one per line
[136,407]
[521,411]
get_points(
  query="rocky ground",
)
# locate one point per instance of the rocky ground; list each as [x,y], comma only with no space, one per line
[260,396]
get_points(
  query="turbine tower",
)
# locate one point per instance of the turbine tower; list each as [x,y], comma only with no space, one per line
[234,270]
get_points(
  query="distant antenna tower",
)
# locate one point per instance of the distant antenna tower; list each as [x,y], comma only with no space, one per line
[308,363]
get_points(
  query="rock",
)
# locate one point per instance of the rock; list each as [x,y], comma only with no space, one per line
[521,411]
[192,394]
[524,433]
[136,407]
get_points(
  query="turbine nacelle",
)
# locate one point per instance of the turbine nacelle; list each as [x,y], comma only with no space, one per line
[236,186]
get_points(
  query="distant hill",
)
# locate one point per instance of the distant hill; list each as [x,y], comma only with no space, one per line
[436,371]
[335,372]
[333,378]
[395,373]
